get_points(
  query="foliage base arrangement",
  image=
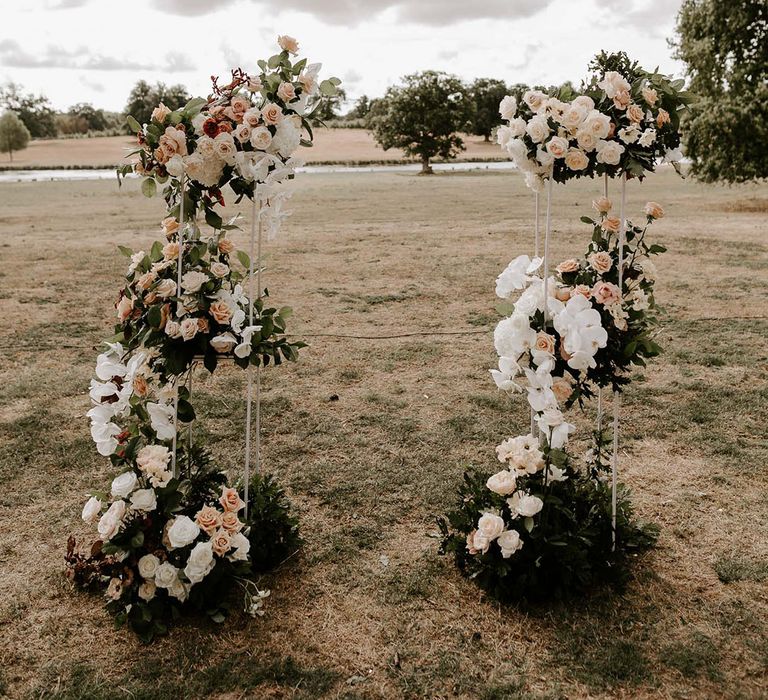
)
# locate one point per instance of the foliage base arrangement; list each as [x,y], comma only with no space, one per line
[174,534]
[550,525]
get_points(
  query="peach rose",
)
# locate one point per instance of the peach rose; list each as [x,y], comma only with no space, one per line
[562,388]
[230,500]
[165,312]
[252,117]
[221,542]
[160,113]
[124,309]
[622,99]
[570,265]
[171,250]
[288,43]
[221,312]
[208,519]
[563,293]
[653,210]
[254,84]
[161,156]
[140,386]
[286,92]
[649,95]
[202,325]
[150,298]
[243,133]
[582,289]
[173,141]
[145,281]
[635,113]
[545,342]
[611,224]
[606,293]
[576,159]
[271,113]
[230,522]
[188,328]
[602,205]
[600,261]
[170,226]
[226,246]
[240,105]
[662,118]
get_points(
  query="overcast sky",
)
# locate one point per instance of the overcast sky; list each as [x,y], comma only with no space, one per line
[95,50]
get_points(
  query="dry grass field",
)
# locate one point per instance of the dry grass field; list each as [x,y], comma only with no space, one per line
[331,145]
[371,436]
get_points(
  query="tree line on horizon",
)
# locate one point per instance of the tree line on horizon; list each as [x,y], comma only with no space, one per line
[724,47]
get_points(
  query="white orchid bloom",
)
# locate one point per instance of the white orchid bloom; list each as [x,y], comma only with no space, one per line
[161,418]
[540,394]
[505,375]
[516,275]
[244,348]
[552,423]
[514,335]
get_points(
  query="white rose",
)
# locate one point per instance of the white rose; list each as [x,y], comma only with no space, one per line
[609,152]
[144,499]
[587,140]
[243,133]
[175,166]
[261,138]
[517,127]
[241,545]
[165,288]
[197,123]
[219,269]
[629,134]
[147,590]
[182,532]
[538,128]
[490,526]
[535,99]
[91,510]
[613,83]
[124,484]
[166,574]
[573,116]
[179,590]
[503,483]
[509,542]
[508,107]
[598,123]
[148,566]
[504,136]
[192,281]
[585,101]
[200,562]
[647,138]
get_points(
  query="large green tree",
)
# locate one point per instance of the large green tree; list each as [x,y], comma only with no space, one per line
[145,97]
[14,136]
[34,110]
[725,47]
[424,116]
[487,93]
[330,106]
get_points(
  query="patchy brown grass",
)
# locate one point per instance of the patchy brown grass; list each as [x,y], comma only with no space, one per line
[331,145]
[368,609]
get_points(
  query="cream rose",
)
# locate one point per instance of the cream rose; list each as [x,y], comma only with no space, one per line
[576,159]
[557,147]
[192,281]
[601,261]
[562,389]
[261,138]
[509,542]
[490,526]
[188,328]
[148,565]
[524,504]
[153,458]
[225,148]
[286,92]
[219,269]
[609,152]
[243,133]
[503,483]
[538,129]
[534,99]
[144,499]
[649,95]
[173,329]
[165,575]
[109,523]
[587,140]
[147,590]
[165,288]
[606,293]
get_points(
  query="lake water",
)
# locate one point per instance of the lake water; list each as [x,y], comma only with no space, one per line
[54,175]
